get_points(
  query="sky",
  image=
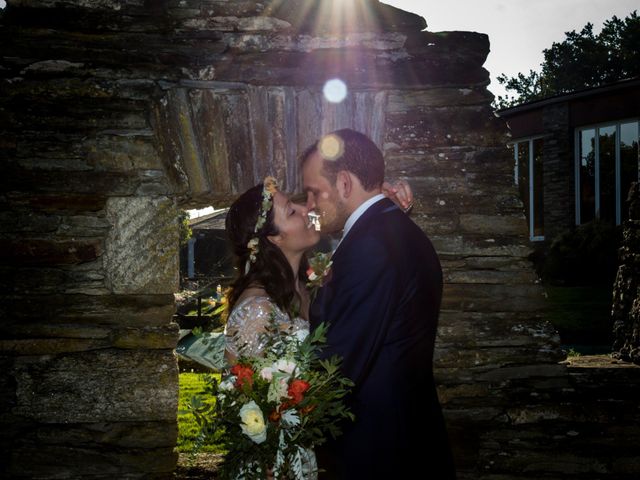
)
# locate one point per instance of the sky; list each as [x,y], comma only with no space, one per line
[518,29]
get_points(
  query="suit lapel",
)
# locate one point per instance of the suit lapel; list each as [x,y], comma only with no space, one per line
[379,208]
[383,206]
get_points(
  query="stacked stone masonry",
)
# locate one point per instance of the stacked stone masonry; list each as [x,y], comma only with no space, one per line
[626,291]
[115,114]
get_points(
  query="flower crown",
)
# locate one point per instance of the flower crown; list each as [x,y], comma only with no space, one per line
[269,189]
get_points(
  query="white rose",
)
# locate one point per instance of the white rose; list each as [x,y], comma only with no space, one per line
[286,366]
[253,424]
[266,373]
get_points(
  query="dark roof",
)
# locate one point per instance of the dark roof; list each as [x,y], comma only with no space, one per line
[592,91]
[211,221]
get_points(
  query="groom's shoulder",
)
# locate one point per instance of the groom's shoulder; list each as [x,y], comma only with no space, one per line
[393,226]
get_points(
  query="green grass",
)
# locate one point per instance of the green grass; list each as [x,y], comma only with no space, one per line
[191,384]
[582,315]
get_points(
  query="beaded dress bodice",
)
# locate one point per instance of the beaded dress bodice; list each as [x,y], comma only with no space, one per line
[247,321]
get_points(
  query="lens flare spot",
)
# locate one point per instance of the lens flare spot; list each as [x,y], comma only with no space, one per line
[335,90]
[330,147]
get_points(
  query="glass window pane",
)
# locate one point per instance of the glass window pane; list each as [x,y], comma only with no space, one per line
[587,175]
[629,159]
[538,190]
[523,175]
[607,162]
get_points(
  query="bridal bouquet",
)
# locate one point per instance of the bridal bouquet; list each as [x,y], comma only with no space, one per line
[272,410]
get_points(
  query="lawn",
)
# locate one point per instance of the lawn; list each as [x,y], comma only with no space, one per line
[191,384]
[582,316]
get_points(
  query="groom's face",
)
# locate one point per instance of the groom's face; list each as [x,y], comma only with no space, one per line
[322,196]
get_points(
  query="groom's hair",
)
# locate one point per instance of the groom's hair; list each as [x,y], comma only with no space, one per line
[359,156]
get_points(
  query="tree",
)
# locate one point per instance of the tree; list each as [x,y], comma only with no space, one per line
[581,61]
[183,225]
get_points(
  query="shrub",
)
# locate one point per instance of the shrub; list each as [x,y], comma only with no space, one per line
[585,255]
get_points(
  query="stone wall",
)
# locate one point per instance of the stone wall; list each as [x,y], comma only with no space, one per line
[115,113]
[89,250]
[626,290]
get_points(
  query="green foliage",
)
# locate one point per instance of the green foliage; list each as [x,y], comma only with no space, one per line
[193,385]
[526,87]
[585,255]
[185,229]
[581,315]
[582,60]
[573,353]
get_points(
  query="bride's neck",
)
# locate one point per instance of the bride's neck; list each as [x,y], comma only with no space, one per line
[294,261]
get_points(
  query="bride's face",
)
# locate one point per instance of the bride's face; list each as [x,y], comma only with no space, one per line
[296,232]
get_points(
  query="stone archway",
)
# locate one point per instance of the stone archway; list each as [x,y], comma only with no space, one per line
[128,109]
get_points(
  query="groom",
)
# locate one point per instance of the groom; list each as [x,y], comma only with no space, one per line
[381,301]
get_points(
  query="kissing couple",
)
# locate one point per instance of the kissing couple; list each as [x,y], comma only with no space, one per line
[381,302]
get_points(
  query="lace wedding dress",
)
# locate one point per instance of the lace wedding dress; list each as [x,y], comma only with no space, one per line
[247,321]
[244,335]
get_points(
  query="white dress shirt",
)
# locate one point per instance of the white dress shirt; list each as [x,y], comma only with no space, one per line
[357,213]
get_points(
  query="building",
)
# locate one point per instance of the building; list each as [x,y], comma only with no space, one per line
[207,254]
[576,156]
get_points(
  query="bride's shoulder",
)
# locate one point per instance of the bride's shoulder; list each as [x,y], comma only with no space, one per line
[255,310]
[253,300]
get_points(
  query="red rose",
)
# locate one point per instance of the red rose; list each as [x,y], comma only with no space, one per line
[296,390]
[244,375]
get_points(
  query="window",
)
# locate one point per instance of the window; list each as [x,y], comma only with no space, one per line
[629,162]
[587,176]
[607,162]
[528,175]
[607,170]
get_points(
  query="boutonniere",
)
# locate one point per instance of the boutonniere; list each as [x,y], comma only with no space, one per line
[319,269]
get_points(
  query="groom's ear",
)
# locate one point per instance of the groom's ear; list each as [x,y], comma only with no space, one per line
[344,184]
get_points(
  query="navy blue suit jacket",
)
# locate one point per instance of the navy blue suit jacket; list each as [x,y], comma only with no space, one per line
[382,301]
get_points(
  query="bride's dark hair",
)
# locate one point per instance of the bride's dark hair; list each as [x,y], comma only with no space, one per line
[271,270]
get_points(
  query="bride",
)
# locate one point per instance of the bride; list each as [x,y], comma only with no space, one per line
[269,235]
